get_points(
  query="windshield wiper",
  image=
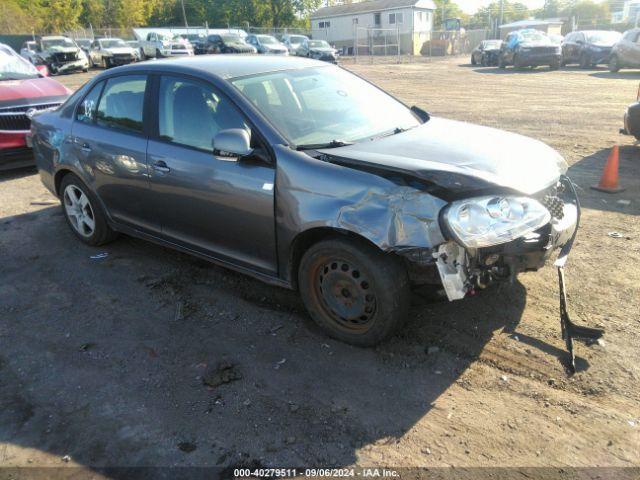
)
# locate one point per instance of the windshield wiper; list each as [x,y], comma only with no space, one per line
[331,144]
[388,133]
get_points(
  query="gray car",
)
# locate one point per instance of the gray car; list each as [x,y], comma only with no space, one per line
[306,176]
[626,52]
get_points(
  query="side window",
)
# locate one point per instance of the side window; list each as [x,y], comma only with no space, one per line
[122,103]
[192,114]
[86,111]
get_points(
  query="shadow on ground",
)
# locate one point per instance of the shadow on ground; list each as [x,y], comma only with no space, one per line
[104,359]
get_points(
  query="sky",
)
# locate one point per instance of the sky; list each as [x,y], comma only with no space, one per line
[471,6]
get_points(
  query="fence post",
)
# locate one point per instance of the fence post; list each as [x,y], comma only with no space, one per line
[398,41]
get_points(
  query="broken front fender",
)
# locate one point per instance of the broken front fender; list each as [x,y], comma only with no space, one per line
[315,194]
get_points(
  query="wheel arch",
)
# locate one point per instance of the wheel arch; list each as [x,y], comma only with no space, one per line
[57,179]
[306,239]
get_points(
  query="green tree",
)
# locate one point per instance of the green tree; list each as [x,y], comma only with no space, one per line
[13,18]
[92,13]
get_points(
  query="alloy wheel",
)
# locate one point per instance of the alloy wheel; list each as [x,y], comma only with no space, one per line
[79,211]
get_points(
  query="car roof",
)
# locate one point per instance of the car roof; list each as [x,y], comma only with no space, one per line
[54,37]
[227,66]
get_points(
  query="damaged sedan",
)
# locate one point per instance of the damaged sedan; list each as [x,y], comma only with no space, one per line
[306,176]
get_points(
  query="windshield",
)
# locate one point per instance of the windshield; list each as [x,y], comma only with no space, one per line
[112,43]
[57,42]
[267,39]
[607,38]
[14,67]
[492,44]
[322,104]
[318,44]
[297,39]
[84,43]
[533,36]
[231,38]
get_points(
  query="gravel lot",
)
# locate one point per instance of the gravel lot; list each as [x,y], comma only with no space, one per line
[103,360]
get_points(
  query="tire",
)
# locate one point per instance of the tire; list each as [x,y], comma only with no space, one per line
[473,60]
[501,63]
[484,61]
[83,212]
[354,292]
[614,64]
[158,54]
[584,61]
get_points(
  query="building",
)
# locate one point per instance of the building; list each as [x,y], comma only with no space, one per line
[377,26]
[552,27]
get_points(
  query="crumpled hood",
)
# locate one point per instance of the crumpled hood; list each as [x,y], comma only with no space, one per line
[438,148]
[58,49]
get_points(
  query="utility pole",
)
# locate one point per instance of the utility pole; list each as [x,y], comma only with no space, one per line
[184,14]
[501,11]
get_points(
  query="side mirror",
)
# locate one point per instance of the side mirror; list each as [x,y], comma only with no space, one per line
[423,115]
[231,144]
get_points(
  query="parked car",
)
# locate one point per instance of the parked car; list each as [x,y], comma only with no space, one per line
[159,45]
[529,48]
[318,49]
[29,50]
[631,120]
[59,54]
[588,48]
[626,52]
[486,53]
[135,44]
[305,176]
[293,42]
[112,52]
[267,44]
[23,91]
[227,43]
[197,41]
[84,44]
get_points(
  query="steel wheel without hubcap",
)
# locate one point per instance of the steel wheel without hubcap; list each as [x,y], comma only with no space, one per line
[345,294]
[79,211]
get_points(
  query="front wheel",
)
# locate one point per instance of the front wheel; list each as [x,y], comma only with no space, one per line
[614,64]
[354,292]
[584,61]
[84,213]
[473,60]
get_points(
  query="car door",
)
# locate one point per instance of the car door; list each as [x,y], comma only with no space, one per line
[634,51]
[110,141]
[221,208]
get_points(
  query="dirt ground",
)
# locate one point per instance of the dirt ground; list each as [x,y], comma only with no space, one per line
[107,360]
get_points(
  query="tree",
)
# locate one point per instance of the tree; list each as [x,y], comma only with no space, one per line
[13,19]
[512,12]
[60,15]
[92,13]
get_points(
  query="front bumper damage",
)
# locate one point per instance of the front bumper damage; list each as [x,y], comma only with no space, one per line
[463,271]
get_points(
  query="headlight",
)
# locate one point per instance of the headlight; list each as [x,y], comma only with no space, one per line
[485,221]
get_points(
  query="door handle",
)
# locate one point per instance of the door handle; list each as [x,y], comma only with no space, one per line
[161,166]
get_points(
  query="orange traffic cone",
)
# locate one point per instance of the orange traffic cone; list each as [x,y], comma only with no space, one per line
[609,180]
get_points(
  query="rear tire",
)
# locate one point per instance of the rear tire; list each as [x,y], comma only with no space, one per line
[473,60]
[354,292]
[83,212]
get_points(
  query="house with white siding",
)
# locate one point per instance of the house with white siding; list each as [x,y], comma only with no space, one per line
[375,23]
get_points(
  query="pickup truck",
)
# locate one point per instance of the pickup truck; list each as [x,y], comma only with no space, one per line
[159,45]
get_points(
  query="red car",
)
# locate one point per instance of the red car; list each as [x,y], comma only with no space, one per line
[23,91]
